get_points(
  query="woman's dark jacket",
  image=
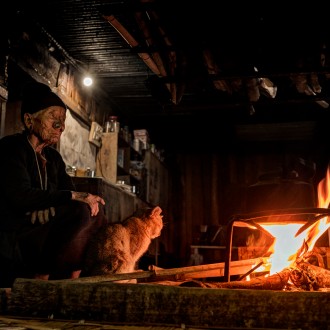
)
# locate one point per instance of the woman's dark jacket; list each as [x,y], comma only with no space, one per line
[20,187]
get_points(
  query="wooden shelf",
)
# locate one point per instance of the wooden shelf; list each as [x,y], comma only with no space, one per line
[115,163]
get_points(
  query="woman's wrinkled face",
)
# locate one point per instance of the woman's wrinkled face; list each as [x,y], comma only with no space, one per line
[48,124]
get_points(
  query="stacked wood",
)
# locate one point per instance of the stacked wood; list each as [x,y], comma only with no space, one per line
[155,274]
[210,270]
[303,276]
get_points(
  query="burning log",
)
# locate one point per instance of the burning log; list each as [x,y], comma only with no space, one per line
[301,276]
[309,277]
[274,282]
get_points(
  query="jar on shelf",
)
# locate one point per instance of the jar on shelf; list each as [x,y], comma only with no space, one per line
[112,125]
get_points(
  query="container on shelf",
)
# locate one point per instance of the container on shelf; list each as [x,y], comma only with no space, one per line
[112,125]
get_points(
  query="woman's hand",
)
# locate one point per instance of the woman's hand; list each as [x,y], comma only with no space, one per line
[41,215]
[90,199]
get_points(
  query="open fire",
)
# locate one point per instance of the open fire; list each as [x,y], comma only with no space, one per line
[292,240]
[291,235]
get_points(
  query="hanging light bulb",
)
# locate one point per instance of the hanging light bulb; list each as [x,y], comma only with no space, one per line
[88,81]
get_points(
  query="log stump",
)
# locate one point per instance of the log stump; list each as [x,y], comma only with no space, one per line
[161,304]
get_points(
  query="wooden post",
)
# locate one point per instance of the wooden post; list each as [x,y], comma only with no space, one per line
[106,161]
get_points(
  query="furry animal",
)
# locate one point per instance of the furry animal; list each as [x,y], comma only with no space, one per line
[117,247]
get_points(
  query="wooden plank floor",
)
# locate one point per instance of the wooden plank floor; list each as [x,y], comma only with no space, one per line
[16,323]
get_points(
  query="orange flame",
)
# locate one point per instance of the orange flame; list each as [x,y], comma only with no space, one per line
[323,195]
[288,246]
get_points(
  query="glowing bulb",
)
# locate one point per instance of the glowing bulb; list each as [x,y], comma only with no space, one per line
[88,81]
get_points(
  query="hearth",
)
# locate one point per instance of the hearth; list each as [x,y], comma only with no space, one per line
[285,210]
[306,217]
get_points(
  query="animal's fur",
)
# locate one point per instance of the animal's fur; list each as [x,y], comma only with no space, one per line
[117,248]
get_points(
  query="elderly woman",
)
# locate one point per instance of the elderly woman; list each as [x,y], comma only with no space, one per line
[44,223]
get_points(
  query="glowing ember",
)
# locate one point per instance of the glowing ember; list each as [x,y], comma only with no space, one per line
[287,247]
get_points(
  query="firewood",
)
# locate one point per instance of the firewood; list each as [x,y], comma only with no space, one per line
[182,273]
[309,277]
[277,281]
[301,275]
[239,267]
[113,277]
